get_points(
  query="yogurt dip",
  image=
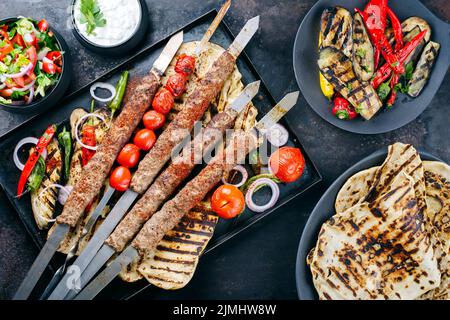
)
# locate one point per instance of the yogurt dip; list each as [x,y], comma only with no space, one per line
[122,20]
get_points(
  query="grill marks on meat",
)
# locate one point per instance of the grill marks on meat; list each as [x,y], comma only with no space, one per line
[168,181]
[198,101]
[139,96]
[194,191]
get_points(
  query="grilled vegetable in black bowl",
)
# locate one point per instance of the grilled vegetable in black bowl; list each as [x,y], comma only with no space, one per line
[34,65]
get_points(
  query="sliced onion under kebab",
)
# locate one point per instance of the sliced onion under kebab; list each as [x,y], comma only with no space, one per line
[88,115]
[20,144]
[244,174]
[63,194]
[106,86]
[278,135]
[256,186]
[57,186]
[22,72]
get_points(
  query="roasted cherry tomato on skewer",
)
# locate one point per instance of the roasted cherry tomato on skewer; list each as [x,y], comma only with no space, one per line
[185,64]
[120,178]
[153,120]
[129,156]
[144,139]
[163,101]
[176,84]
[227,201]
[287,164]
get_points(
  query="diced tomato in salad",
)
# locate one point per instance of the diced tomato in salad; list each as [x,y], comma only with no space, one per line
[30,61]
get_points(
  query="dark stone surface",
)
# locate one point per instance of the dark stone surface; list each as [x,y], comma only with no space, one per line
[259,263]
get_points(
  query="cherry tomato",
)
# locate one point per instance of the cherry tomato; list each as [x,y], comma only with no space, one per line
[144,139]
[120,178]
[55,56]
[128,156]
[185,64]
[43,25]
[48,66]
[17,39]
[7,45]
[30,40]
[176,84]
[32,55]
[227,201]
[163,101]
[287,164]
[153,120]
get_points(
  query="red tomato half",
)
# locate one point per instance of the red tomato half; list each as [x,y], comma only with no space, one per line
[227,201]
[287,164]
[176,84]
[153,120]
[163,101]
[129,156]
[144,139]
[120,178]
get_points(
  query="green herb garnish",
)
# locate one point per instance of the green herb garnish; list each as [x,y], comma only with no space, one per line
[383,90]
[361,53]
[91,15]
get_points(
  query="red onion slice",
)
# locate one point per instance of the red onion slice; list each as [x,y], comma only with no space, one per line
[103,85]
[22,72]
[251,190]
[20,144]
[244,173]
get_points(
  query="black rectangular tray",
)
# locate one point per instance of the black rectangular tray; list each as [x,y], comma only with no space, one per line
[140,64]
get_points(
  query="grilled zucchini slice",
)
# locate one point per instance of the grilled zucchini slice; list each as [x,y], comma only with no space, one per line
[423,70]
[338,70]
[363,52]
[336,26]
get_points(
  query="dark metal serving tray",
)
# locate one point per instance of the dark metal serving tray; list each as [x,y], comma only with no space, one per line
[140,64]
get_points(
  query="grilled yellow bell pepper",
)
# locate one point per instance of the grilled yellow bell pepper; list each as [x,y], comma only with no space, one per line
[325,86]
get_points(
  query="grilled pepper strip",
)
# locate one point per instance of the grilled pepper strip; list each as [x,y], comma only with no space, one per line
[374,16]
[116,102]
[397,27]
[385,71]
[89,140]
[34,157]
[65,140]
[393,96]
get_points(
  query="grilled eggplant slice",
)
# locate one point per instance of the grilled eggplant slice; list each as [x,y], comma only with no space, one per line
[363,52]
[415,54]
[43,206]
[423,70]
[176,257]
[338,70]
[336,26]
[409,24]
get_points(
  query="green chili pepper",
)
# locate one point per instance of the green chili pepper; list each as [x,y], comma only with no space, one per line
[254,178]
[116,102]
[65,140]
[36,176]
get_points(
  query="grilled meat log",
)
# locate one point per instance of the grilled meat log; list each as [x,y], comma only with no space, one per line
[423,69]
[138,98]
[208,87]
[336,29]
[363,52]
[43,202]
[194,192]
[338,70]
[168,181]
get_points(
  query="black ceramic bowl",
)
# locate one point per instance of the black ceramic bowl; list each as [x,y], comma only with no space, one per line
[121,48]
[405,109]
[57,91]
[322,212]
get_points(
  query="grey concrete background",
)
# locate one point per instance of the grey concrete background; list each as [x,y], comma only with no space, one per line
[260,263]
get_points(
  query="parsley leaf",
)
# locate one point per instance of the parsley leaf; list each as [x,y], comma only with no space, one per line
[91,15]
[360,53]
[383,90]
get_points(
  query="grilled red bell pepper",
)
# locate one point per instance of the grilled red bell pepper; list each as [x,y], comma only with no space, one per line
[393,95]
[374,16]
[343,110]
[385,71]
[397,27]
[89,140]
[34,157]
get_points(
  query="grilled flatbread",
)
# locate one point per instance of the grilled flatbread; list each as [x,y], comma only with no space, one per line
[377,250]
